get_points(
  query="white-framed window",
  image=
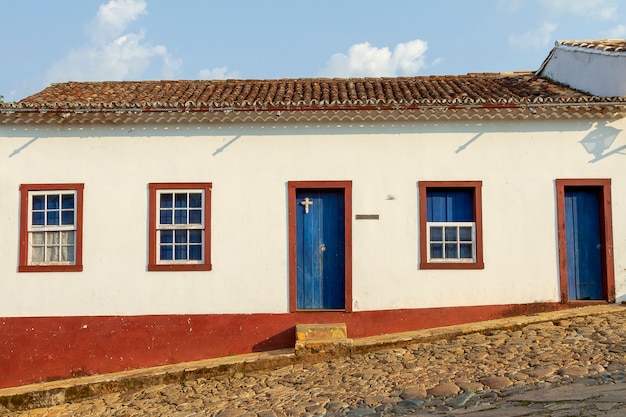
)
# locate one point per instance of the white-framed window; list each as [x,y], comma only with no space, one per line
[451,242]
[51,227]
[180,234]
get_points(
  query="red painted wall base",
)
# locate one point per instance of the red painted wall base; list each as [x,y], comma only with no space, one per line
[36,349]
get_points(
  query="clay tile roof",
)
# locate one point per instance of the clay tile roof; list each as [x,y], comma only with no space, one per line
[301,93]
[608,45]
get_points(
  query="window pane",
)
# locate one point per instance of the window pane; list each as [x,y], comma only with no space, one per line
[195,200]
[67,201]
[37,254]
[195,236]
[195,252]
[67,253]
[195,216]
[180,200]
[166,252]
[67,238]
[167,236]
[436,250]
[53,202]
[67,217]
[451,233]
[180,252]
[451,250]
[38,218]
[52,254]
[166,200]
[465,234]
[180,216]
[165,217]
[52,238]
[52,218]
[181,236]
[38,238]
[436,234]
[39,202]
[466,250]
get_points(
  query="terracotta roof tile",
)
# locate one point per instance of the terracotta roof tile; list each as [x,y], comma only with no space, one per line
[609,45]
[522,87]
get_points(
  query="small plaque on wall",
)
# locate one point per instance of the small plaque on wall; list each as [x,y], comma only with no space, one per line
[367,216]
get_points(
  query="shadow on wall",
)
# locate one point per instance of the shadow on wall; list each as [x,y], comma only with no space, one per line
[21,148]
[600,139]
[226,145]
[286,338]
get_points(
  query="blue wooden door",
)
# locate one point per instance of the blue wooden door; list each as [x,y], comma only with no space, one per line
[320,249]
[584,243]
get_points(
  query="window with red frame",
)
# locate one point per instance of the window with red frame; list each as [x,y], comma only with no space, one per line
[179,226]
[51,217]
[450,225]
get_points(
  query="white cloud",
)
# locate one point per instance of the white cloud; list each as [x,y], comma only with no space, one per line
[599,9]
[618,32]
[534,39]
[365,60]
[220,73]
[111,53]
[114,16]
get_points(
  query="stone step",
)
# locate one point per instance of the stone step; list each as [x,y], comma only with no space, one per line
[321,331]
[322,338]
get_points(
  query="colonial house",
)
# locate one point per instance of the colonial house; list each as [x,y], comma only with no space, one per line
[154,222]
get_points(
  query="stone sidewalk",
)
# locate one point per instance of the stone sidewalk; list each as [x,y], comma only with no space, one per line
[566,363]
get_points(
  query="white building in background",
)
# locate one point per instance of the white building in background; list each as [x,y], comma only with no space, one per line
[157,222]
[596,67]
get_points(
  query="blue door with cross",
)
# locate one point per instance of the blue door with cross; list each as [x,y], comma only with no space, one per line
[583,240]
[320,249]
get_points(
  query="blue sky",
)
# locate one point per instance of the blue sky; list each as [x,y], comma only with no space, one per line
[79,40]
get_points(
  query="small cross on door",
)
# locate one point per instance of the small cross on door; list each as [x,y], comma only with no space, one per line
[306,203]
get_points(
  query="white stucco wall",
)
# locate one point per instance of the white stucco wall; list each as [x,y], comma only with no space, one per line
[249,168]
[597,72]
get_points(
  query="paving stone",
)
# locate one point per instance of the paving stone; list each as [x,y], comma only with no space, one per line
[361,412]
[445,389]
[417,391]
[497,382]
[467,386]
[231,413]
[460,400]
[574,371]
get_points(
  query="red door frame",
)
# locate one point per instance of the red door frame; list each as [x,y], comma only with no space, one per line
[346,186]
[606,229]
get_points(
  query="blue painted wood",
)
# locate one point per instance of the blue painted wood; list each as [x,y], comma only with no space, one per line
[583,243]
[450,205]
[320,249]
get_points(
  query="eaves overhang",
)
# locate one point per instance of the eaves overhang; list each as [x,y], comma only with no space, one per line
[435,111]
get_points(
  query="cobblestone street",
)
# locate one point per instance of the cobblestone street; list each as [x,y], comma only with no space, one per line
[567,367]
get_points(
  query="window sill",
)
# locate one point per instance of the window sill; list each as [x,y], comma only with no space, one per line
[452,265]
[179,267]
[50,268]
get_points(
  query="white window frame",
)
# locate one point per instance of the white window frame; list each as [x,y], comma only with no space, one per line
[45,229]
[186,226]
[457,242]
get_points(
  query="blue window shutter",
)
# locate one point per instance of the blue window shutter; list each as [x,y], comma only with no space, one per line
[450,205]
